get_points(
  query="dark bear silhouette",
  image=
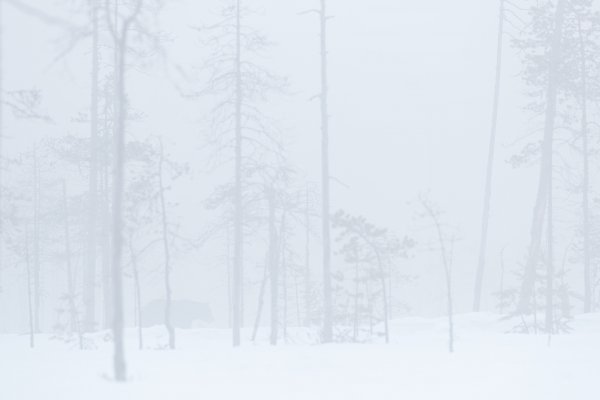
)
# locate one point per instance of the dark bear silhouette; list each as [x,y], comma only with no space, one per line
[185,314]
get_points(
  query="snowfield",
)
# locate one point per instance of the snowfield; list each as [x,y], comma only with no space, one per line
[488,364]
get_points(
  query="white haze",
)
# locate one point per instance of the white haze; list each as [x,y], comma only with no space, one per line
[411,96]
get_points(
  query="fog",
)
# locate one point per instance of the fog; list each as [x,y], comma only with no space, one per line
[386,178]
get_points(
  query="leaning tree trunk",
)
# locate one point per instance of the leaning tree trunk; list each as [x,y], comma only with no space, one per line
[490,167]
[545,178]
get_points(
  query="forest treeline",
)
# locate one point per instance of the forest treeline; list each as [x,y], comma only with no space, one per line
[90,210]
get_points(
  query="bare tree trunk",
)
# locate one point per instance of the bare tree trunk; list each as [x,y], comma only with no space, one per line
[284,277]
[356,291]
[587,281]
[545,179]
[229,267]
[447,264]
[118,194]
[490,167]
[36,243]
[307,285]
[29,294]
[1,142]
[138,293]
[274,269]
[327,285]
[384,294]
[70,285]
[90,270]
[261,298]
[167,253]
[238,206]
[105,220]
[297,295]
[550,265]
[502,268]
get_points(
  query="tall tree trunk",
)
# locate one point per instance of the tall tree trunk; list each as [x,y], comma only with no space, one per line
[105,210]
[1,142]
[587,279]
[29,294]
[502,269]
[327,285]
[550,265]
[90,270]
[138,293]
[447,265]
[284,275]
[167,252]
[70,284]
[356,291]
[36,242]
[229,278]
[307,283]
[261,297]
[238,206]
[118,194]
[274,269]
[385,296]
[545,179]
[490,167]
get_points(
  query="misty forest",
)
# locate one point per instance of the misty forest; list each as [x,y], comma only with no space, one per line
[317,199]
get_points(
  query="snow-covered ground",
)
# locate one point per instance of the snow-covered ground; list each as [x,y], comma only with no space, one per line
[488,364]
